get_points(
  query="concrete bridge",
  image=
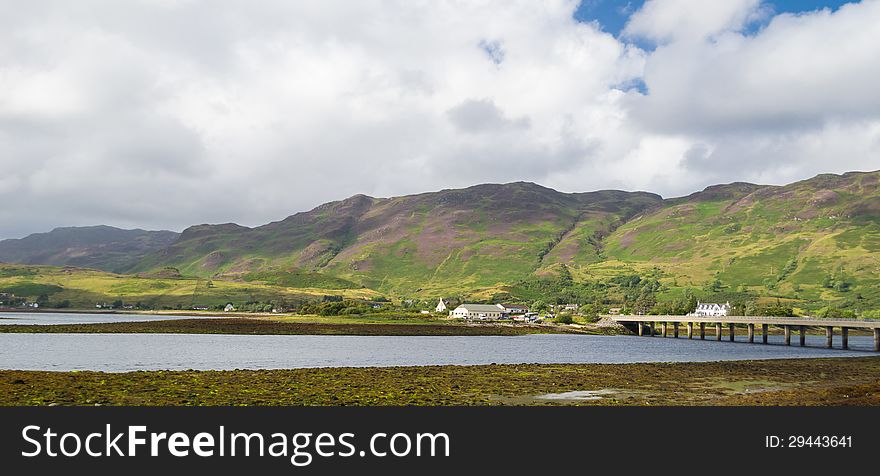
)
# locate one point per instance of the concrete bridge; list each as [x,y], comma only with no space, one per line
[646,325]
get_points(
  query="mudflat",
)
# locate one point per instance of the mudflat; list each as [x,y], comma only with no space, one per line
[829,381]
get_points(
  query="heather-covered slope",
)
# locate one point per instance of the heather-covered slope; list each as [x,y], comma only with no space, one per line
[100,247]
[480,236]
[813,239]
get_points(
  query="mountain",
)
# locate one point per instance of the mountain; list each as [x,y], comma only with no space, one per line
[481,236]
[817,239]
[100,247]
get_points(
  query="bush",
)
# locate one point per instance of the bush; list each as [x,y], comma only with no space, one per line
[872,314]
[835,313]
[564,319]
[779,310]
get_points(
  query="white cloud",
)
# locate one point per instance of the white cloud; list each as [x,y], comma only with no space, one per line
[168,113]
[682,20]
[796,98]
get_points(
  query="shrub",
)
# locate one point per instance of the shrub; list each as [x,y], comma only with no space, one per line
[564,319]
[835,313]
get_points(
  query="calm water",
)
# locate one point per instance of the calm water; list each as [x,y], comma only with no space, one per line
[46,318]
[129,352]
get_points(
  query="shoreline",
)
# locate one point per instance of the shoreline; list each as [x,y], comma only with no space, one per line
[261,326]
[818,381]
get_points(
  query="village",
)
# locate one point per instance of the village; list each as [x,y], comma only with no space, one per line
[519,312]
[559,313]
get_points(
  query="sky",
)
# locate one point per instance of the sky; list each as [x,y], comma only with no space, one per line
[160,114]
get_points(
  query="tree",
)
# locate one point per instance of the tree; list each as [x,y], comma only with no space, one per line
[564,318]
[690,301]
[836,313]
[751,308]
[828,282]
[590,312]
[713,286]
[645,303]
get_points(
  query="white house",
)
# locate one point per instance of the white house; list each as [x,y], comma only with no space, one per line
[441,306]
[229,308]
[478,311]
[710,309]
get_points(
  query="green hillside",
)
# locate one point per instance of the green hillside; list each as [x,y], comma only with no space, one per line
[55,287]
[809,245]
[433,243]
[814,240]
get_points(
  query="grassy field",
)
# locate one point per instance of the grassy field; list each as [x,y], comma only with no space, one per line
[839,381]
[83,288]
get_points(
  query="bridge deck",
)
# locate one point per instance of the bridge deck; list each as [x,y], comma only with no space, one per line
[773,321]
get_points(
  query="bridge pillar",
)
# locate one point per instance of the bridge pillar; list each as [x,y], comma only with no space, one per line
[829,337]
[764,332]
[876,340]
[675,330]
[717,331]
[663,326]
[803,330]
[690,330]
[651,327]
[702,331]
[751,333]
[844,337]
[787,335]
[732,332]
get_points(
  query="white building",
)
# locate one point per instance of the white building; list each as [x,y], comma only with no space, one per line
[710,309]
[441,306]
[515,309]
[229,308]
[478,311]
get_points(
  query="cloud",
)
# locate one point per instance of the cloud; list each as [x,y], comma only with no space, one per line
[482,115]
[779,104]
[680,20]
[162,114]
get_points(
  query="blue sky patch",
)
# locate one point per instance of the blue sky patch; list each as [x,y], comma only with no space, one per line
[493,50]
[612,15]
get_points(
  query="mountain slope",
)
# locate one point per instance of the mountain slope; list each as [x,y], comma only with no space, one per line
[813,239]
[453,239]
[100,247]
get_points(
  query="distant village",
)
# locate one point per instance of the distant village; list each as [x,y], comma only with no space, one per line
[11,300]
[519,312]
[467,311]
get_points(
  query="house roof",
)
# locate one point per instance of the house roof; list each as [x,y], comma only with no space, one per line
[480,307]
